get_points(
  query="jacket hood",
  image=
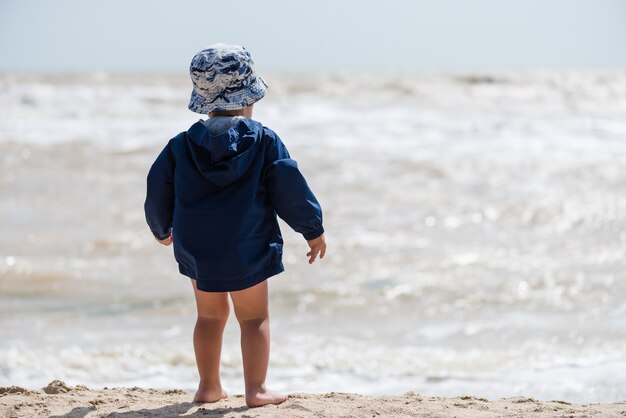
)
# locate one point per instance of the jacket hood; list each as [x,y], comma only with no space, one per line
[224,156]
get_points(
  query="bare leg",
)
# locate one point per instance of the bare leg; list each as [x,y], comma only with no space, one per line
[251,309]
[213,310]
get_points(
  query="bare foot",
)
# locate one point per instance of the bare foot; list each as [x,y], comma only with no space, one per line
[264,397]
[204,395]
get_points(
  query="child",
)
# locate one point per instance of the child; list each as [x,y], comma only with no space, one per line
[214,191]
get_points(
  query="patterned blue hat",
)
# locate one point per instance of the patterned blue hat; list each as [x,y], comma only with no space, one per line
[224,79]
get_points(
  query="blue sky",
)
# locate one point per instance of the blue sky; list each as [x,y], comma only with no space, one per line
[290,35]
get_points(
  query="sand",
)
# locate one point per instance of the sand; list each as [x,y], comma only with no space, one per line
[60,400]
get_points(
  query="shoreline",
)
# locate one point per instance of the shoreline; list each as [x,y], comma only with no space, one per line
[58,399]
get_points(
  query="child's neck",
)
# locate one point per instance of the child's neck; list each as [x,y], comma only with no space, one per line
[245,112]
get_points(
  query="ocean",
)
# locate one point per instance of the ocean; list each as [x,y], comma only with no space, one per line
[476,230]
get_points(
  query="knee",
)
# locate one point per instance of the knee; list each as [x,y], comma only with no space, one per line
[253,325]
[251,319]
[218,315]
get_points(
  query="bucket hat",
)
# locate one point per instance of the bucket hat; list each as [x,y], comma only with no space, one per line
[224,78]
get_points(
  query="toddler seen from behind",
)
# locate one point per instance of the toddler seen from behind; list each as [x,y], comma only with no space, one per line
[214,192]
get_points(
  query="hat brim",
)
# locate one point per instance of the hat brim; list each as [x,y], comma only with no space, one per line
[235,100]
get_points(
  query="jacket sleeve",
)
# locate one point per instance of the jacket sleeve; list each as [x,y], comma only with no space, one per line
[159,204]
[289,192]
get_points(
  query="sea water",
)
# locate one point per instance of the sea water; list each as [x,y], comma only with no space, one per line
[476,230]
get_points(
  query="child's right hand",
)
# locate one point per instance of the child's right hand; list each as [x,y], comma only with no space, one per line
[166,241]
[318,246]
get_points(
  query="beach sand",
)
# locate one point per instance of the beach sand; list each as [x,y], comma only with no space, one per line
[60,400]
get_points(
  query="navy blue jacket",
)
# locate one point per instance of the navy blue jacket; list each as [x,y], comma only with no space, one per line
[219,195]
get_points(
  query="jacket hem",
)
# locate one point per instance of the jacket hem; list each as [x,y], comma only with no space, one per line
[208,285]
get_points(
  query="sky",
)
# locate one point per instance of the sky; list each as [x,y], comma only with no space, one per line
[291,35]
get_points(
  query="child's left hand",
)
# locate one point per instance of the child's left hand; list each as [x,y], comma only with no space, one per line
[318,246]
[166,241]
